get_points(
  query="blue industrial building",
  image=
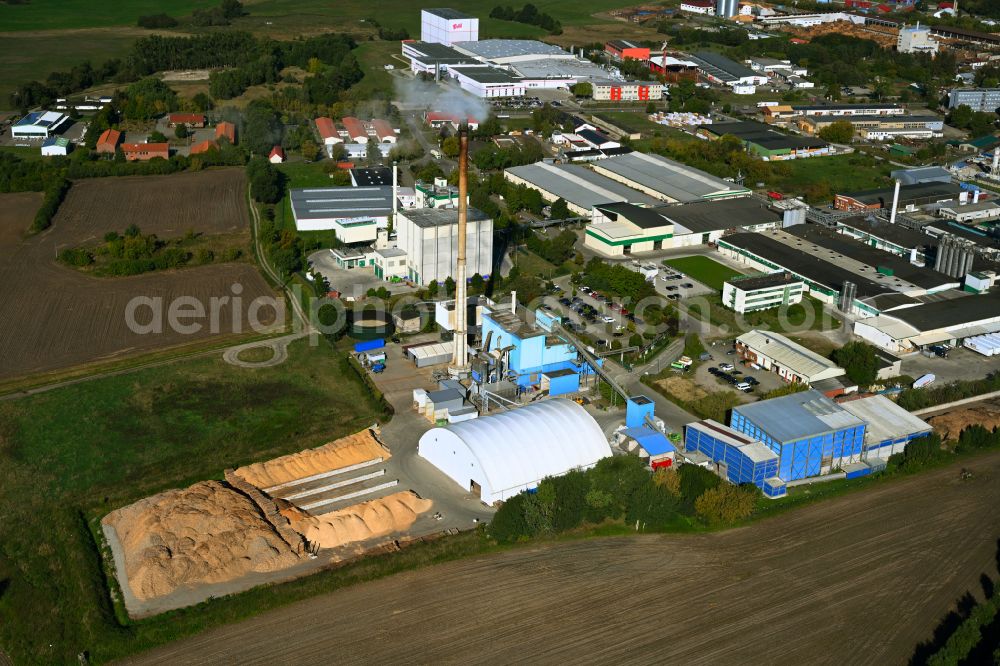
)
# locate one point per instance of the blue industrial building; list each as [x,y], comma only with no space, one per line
[890,427]
[653,444]
[738,458]
[810,433]
[530,354]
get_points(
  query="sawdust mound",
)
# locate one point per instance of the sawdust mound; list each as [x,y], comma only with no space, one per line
[950,425]
[344,452]
[367,520]
[207,533]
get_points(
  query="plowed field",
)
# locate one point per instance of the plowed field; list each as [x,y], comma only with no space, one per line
[862,578]
[53,317]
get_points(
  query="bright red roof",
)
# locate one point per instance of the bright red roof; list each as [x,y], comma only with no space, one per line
[383,128]
[279,151]
[187,118]
[355,129]
[203,147]
[326,128]
[146,148]
[227,130]
[110,137]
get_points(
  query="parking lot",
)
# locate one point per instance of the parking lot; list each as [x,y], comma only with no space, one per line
[352,282]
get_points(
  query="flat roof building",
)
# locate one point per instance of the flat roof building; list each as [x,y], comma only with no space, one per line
[918,194]
[39,125]
[948,320]
[434,58]
[890,427]
[738,458]
[447,26]
[371,177]
[762,292]
[811,434]
[706,222]
[429,236]
[354,213]
[617,229]
[723,70]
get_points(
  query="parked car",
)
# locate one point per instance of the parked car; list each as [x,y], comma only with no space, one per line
[752,381]
[688,285]
[565,301]
[714,371]
[727,367]
[745,387]
[608,319]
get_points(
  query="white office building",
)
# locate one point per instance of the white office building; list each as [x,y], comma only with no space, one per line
[762,292]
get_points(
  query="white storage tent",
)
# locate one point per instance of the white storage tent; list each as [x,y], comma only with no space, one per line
[502,455]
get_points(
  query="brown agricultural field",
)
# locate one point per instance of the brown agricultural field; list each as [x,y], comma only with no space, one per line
[861,578]
[53,317]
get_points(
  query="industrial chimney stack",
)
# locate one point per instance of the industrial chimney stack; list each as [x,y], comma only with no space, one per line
[460,358]
[895,204]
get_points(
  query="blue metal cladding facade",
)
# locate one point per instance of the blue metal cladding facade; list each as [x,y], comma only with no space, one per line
[877,448]
[802,458]
[739,467]
[564,384]
[636,411]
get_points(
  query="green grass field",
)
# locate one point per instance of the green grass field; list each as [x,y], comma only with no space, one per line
[71,455]
[708,272]
[72,14]
[819,178]
[25,58]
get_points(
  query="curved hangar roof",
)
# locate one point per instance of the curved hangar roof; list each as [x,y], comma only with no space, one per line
[510,452]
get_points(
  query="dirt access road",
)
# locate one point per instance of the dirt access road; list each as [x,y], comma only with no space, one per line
[858,579]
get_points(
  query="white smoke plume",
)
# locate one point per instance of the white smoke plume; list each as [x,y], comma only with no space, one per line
[444,97]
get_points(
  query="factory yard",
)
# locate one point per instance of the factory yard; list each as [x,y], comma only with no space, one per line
[54,318]
[865,577]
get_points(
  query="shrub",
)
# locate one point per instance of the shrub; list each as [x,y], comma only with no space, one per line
[54,196]
[726,504]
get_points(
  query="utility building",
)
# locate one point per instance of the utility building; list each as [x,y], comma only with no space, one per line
[890,427]
[737,457]
[497,457]
[811,434]
[789,360]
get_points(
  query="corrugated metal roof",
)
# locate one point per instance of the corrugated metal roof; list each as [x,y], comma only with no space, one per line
[791,355]
[341,202]
[652,442]
[798,416]
[578,185]
[493,49]
[673,180]
[752,449]
[886,420]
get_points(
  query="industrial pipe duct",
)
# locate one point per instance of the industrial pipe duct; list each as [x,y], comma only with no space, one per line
[460,358]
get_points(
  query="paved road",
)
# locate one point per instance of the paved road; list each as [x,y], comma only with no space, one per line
[857,579]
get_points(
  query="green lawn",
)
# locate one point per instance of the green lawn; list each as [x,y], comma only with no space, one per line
[30,57]
[707,271]
[819,178]
[72,14]
[808,315]
[69,456]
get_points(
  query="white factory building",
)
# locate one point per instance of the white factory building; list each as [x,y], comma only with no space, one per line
[39,125]
[355,214]
[429,236]
[496,457]
[487,82]
[447,26]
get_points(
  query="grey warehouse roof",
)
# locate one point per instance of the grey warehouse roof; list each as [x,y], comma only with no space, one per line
[951,312]
[886,420]
[485,74]
[644,218]
[797,416]
[722,67]
[509,48]
[671,179]
[372,176]
[579,185]
[434,52]
[439,217]
[341,202]
[754,282]
[559,68]
[705,216]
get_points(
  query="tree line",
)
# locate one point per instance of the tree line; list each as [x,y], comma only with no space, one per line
[621,489]
[253,57]
[529,15]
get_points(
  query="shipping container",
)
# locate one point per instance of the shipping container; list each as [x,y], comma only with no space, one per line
[368,345]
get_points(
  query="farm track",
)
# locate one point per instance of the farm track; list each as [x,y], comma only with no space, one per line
[54,317]
[861,578]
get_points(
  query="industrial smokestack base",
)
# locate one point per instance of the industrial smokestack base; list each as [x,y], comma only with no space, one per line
[460,356]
